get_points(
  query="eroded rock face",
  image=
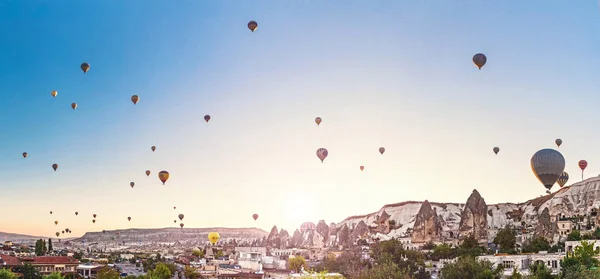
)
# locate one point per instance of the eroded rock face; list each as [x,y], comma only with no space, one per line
[296,239]
[343,236]
[545,227]
[285,238]
[323,230]
[273,239]
[361,231]
[427,225]
[473,220]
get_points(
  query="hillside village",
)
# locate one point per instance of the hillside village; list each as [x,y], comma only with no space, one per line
[254,253]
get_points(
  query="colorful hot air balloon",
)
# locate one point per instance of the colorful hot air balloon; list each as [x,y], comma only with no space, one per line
[57,234]
[73,106]
[318,120]
[94,216]
[562,180]
[180,225]
[62,232]
[252,25]
[582,165]
[54,166]
[174,221]
[558,142]
[54,93]
[213,237]
[362,168]
[180,217]
[307,226]
[25,154]
[174,207]
[94,221]
[479,59]
[129,219]
[322,154]
[255,216]
[547,165]
[207,118]
[153,148]
[381,150]
[76,213]
[135,99]
[55,222]
[131,184]
[147,172]
[163,176]
[50,212]
[85,67]
[496,150]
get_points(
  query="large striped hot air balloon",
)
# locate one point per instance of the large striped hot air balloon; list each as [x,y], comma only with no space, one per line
[307,226]
[562,180]
[547,165]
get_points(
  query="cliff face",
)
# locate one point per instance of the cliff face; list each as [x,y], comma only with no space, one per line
[473,220]
[427,225]
[545,228]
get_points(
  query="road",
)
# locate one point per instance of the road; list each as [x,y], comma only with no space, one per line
[130,269]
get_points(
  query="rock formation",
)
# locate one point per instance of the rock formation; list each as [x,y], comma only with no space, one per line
[323,230]
[361,231]
[273,239]
[343,235]
[284,237]
[473,219]
[427,225]
[545,228]
[296,239]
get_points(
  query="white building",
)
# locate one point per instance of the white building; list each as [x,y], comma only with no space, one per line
[570,245]
[524,261]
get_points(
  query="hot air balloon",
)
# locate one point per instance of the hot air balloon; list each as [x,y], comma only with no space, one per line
[381,150]
[135,99]
[207,118]
[55,222]
[94,216]
[322,154]
[252,25]
[180,225]
[562,180]
[307,226]
[54,166]
[479,59]
[94,221]
[129,219]
[54,93]
[153,148]
[174,221]
[73,105]
[547,165]
[213,237]
[147,172]
[255,216]
[50,212]
[362,168]
[496,150]
[103,231]
[174,207]
[76,213]
[558,142]
[180,217]
[62,232]
[85,67]
[163,176]
[25,154]
[582,165]
[57,234]
[318,120]
[131,184]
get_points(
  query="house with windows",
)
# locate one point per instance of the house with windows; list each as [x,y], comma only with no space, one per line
[522,262]
[47,264]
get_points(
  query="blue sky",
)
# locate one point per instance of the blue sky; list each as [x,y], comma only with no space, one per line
[380,73]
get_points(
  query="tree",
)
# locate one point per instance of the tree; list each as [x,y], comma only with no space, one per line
[443,251]
[507,240]
[54,275]
[297,263]
[575,235]
[469,248]
[536,244]
[219,254]
[7,274]
[49,244]
[540,271]
[469,267]
[190,272]
[384,271]
[160,272]
[515,274]
[40,247]
[198,253]
[108,273]
[29,272]
[583,258]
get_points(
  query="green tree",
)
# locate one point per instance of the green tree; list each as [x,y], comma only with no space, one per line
[54,275]
[540,271]
[575,235]
[536,244]
[507,240]
[190,272]
[443,251]
[7,274]
[219,254]
[29,272]
[296,263]
[583,258]
[198,253]
[108,273]
[40,247]
[384,271]
[469,248]
[515,274]
[596,233]
[160,272]
[469,267]
[50,244]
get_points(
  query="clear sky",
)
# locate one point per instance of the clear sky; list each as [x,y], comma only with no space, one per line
[380,73]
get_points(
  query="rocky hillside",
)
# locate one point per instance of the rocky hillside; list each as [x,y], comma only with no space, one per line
[19,238]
